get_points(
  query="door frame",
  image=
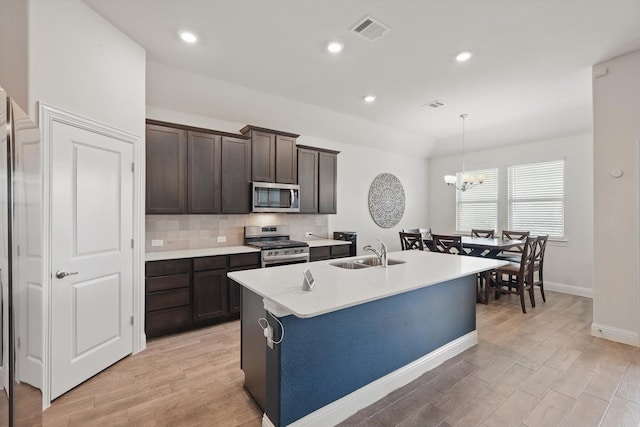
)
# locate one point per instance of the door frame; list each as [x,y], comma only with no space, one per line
[48,115]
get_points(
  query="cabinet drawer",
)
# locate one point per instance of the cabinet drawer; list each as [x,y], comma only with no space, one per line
[164,268]
[245,260]
[319,253]
[210,263]
[167,299]
[164,283]
[169,318]
[340,251]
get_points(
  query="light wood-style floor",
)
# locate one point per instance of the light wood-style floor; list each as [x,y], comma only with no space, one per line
[542,368]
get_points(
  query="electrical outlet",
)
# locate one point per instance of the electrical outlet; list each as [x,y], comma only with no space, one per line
[268,333]
[308,234]
[157,243]
[222,239]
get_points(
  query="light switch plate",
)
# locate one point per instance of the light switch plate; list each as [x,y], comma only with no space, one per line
[222,239]
[157,243]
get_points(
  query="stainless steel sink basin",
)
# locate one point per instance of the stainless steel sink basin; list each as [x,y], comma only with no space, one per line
[350,265]
[375,262]
[364,263]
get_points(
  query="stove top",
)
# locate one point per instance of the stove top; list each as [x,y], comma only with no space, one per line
[277,244]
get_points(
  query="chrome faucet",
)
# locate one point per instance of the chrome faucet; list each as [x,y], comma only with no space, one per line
[381,254]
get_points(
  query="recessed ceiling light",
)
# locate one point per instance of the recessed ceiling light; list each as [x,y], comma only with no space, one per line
[369,98]
[335,47]
[464,56]
[188,36]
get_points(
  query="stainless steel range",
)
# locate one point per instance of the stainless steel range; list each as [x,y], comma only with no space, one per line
[275,246]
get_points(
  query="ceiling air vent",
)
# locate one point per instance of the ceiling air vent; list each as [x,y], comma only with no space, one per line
[433,104]
[370,28]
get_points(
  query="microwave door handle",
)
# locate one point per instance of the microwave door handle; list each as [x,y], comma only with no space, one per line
[293,197]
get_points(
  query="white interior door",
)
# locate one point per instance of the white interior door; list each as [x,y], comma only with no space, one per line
[91,241]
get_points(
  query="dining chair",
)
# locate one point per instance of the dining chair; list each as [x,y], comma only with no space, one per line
[446,244]
[409,241]
[538,263]
[426,232]
[475,232]
[521,272]
[513,254]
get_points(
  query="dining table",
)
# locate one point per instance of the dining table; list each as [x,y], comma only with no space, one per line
[483,247]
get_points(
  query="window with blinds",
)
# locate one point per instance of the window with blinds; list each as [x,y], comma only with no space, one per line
[478,206]
[536,198]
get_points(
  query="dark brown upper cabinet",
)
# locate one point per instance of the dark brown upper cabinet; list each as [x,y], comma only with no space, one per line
[273,155]
[236,175]
[308,180]
[203,173]
[317,177]
[194,170]
[166,172]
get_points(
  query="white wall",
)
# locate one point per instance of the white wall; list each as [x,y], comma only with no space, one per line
[357,165]
[80,63]
[13,50]
[616,212]
[568,265]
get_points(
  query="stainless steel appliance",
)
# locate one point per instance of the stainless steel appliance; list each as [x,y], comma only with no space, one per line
[274,197]
[274,244]
[20,189]
[350,236]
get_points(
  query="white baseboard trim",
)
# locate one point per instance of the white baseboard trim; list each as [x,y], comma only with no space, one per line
[343,408]
[615,334]
[569,289]
[266,422]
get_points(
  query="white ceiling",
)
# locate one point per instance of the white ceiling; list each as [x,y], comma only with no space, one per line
[529,78]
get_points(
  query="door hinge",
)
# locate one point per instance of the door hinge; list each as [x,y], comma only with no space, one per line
[132,320]
[132,240]
[133,167]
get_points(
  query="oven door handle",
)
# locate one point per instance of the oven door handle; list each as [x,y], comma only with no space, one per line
[286,257]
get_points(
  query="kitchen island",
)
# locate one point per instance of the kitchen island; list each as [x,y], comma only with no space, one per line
[357,336]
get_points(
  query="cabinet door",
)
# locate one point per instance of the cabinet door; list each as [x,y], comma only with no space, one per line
[319,253]
[239,262]
[203,176]
[210,294]
[327,170]
[286,160]
[236,175]
[263,156]
[308,180]
[166,158]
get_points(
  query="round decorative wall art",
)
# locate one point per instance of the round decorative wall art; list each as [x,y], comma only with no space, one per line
[386,200]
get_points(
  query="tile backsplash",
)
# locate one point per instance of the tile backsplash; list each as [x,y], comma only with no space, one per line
[202,231]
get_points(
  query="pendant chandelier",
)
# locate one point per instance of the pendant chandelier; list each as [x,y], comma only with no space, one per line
[466,181]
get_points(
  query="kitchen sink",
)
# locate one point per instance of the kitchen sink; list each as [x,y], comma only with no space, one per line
[350,265]
[364,263]
[375,262]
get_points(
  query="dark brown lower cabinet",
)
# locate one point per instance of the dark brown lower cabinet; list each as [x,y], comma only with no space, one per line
[239,262]
[167,296]
[190,293]
[321,253]
[210,294]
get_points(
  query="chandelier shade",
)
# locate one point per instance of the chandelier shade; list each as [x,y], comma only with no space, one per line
[463,181]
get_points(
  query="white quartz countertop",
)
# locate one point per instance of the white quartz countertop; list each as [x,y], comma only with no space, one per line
[194,253]
[338,288]
[326,242]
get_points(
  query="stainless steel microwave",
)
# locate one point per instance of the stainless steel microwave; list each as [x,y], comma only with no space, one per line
[274,197]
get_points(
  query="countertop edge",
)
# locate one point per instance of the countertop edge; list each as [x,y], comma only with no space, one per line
[195,253]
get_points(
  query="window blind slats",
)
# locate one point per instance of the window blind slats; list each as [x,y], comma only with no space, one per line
[536,198]
[478,207]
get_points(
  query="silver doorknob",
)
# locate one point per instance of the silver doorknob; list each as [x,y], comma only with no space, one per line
[61,274]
